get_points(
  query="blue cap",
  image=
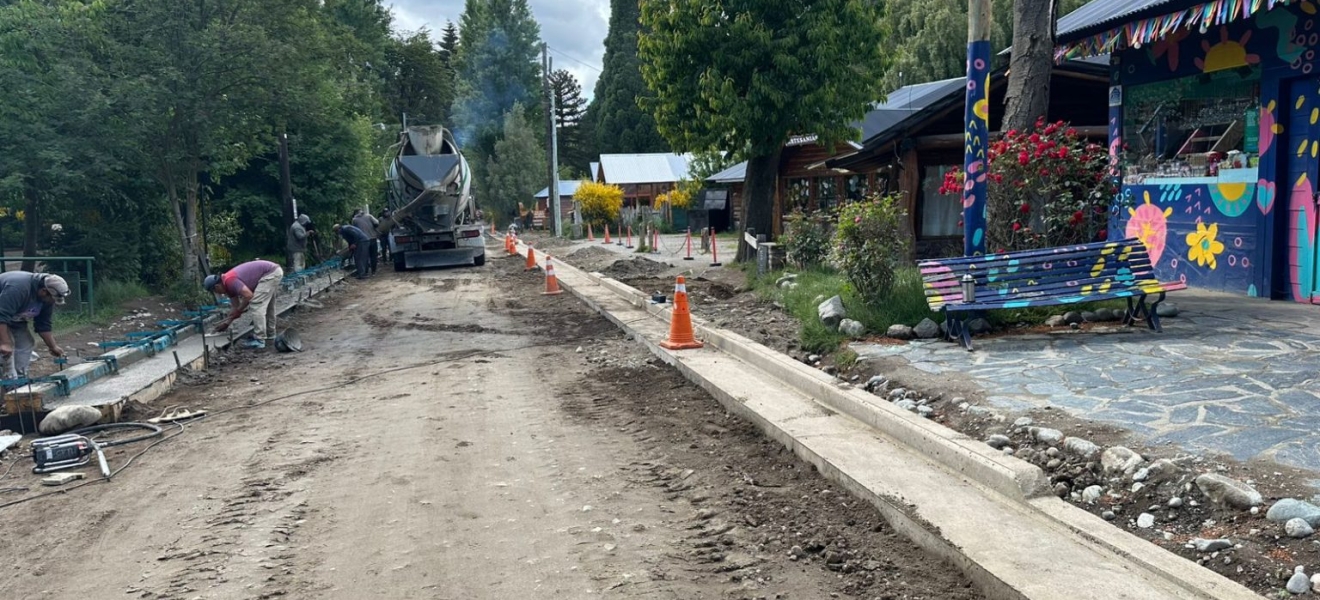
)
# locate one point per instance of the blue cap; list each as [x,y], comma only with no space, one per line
[210,282]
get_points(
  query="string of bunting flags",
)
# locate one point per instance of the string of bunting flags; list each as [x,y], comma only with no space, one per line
[1153,29]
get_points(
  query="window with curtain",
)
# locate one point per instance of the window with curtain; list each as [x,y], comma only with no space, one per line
[939,212]
[799,194]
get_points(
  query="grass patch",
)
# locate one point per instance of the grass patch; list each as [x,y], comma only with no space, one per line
[111,296]
[845,359]
[905,303]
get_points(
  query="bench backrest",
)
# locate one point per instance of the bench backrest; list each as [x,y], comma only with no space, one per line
[1101,268]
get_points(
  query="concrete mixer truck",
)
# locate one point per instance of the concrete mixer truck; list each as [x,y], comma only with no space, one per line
[434,219]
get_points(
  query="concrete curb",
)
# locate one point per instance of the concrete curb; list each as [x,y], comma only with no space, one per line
[1015,480]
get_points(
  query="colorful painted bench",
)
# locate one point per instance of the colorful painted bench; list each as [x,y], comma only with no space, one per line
[1048,277]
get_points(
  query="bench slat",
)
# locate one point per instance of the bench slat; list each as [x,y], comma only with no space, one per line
[1156,288]
[1121,251]
[1028,255]
[1122,255]
[1092,289]
[1138,269]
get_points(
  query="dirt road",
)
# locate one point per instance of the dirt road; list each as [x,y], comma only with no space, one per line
[444,437]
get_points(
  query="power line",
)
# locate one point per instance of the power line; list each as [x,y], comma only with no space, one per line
[570,57]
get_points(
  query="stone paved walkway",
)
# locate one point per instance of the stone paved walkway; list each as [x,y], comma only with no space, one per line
[1229,375]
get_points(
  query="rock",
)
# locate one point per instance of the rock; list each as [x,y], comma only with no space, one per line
[1160,471]
[1053,464]
[1120,459]
[906,404]
[1228,492]
[997,441]
[1056,321]
[65,418]
[797,552]
[1023,422]
[1204,545]
[1089,317]
[876,382]
[897,394]
[1141,475]
[1298,528]
[831,311]
[1288,509]
[1137,487]
[1072,317]
[1175,502]
[1146,521]
[1052,452]
[900,331]
[1315,583]
[1061,489]
[813,358]
[785,278]
[926,330]
[1167,309]
[851,328]
[1046,435]
[1081,447]
[1104,315]
[1108,515]
[978,326]
[925,411]
[1092,494]
[1008,452]
[1299,583]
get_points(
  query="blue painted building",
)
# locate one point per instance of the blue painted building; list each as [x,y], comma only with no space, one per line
[1214,129]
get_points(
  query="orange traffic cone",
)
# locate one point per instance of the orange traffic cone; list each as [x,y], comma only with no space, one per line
[508,244]
[551,282]
[591,237]
[680,321]
[531,258]
[607,234]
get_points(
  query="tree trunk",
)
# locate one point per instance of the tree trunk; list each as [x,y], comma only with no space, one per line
[31,225]
[758,202]
[1028,96]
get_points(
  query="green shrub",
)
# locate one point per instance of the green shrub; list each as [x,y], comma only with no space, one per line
[806,239]
[870,244]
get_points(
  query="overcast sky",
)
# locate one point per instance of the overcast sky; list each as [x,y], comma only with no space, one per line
[574,29]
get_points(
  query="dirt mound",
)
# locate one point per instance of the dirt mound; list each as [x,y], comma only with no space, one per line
[590,253]
[633,268]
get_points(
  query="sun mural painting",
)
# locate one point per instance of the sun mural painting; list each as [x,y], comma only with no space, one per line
[1227,54]
[1150,225]
[1202,247]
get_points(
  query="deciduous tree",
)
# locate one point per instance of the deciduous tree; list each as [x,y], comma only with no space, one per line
[744,75]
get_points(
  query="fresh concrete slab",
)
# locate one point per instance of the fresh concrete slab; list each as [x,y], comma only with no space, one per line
[984,513]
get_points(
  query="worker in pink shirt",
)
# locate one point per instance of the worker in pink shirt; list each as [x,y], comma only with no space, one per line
[252,285]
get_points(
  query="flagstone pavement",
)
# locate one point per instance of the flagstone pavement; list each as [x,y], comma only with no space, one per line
[1230,375]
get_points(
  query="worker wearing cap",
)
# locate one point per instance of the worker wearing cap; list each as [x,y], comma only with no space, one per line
[252,284]
[27,297]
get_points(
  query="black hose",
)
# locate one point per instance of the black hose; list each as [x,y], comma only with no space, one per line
[152,431]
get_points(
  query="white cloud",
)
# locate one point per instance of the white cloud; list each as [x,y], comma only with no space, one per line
[573,29]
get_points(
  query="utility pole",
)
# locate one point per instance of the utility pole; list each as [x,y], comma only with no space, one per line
[977,139]
[286,191]
[552,191]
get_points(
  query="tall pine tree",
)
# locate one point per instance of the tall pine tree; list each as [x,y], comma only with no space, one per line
[570,108]
[621,125]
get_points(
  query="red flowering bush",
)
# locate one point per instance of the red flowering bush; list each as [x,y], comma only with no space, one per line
[1047,188]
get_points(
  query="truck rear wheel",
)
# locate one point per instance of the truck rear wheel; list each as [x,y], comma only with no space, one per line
[399,264]
[479,260]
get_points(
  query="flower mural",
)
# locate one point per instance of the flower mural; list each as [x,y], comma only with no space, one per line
[1149,224]
[1202,247]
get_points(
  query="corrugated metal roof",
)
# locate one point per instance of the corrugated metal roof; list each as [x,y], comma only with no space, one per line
[666,167]
[566,188]
[1104,14]
[734,174]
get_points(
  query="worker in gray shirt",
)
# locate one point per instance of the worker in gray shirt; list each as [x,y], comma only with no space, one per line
[297,243]
[367,223]
[27,297]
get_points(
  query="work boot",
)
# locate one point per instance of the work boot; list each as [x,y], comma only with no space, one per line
[254,344]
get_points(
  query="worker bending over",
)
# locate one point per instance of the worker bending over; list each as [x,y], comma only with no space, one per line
[252,284]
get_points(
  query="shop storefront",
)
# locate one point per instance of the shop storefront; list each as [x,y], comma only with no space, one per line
[1215,132]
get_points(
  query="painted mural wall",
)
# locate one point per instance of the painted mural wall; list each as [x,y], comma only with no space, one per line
[1249,228]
